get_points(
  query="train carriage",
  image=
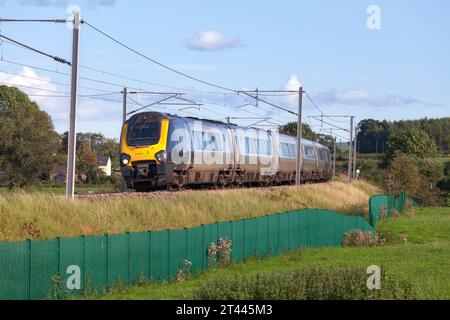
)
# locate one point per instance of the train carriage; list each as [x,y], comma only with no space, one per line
[159,150]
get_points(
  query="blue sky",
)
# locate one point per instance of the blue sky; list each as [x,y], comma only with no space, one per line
[401,71]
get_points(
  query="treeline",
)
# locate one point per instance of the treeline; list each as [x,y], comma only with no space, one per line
[374,135]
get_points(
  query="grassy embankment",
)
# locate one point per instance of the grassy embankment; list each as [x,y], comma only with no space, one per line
[423,261]
[52,215]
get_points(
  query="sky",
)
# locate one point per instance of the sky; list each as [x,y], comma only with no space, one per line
[371,59]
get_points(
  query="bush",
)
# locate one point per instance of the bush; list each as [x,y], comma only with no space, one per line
[444,184]
[447,168]
[357,238]
[431,169]
[303,284]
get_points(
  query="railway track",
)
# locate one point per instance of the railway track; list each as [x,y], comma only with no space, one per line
[168,194]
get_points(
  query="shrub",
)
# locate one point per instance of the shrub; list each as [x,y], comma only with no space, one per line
[303,284]
[220,253]
[432,169]
[444,184]
[357,238]
[447,168]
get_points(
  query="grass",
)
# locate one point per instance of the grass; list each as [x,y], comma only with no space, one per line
[423,261]
[53,215]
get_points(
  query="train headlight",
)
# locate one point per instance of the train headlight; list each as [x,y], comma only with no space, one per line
[124,159]
[161,156]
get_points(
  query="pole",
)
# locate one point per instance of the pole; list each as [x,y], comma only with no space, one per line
[354,152]
[72,142]
[123,185]
[334,158]
[228,120]
[298,167]
[350,151]
[124,113]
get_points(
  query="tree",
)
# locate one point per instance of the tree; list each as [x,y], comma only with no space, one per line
[290,129]
[28,142]
[403,175]
[414,142]
[372,136]
[97,143]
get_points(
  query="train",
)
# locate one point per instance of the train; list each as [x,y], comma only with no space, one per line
[159,150]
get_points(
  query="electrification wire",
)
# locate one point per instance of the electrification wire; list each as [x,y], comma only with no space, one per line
[156,62]
[330,124]
[55,82]
[35,20]
[177,71]
[57,59]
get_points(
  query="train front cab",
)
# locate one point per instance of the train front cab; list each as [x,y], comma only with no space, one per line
[143,151]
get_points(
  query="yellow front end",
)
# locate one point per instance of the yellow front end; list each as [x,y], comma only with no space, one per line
[146,153]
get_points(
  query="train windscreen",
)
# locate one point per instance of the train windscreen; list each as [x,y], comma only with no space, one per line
[143,131]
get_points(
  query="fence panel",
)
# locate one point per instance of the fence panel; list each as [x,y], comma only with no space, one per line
[177,251]
[118,259]
[283,235]
[272,236]
[209,236]
[15,269]
[71,262]
[159,255]
[251,238]
[196,249]
[96,253]
[303,228]
[262,236]
[139,256]
[238,238]
[43,268]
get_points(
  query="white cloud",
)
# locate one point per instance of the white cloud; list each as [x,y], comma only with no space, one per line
[39,88]
[293,83]
[211,40]
[363,98]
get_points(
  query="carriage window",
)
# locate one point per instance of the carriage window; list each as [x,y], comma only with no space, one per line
[323,154]
[310,152]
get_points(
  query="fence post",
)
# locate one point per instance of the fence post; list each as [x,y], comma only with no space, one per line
[107,260]
[149,255]
[29,268]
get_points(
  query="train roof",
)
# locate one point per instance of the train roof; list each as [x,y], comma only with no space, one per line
[163,115]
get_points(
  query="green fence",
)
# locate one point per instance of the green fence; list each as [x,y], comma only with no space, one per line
[58,267]
[385,203]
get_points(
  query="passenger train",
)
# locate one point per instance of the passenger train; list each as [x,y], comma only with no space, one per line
[159,150]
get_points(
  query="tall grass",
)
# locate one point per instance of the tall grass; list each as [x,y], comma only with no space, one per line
[38,215]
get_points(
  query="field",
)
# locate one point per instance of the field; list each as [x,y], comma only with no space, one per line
[423,261]
[41,216]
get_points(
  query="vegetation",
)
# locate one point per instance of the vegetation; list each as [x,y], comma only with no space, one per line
[56,216]
[413,142]
[417,177]
[302,284]
[373,134]
[28,142]
[421,262]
